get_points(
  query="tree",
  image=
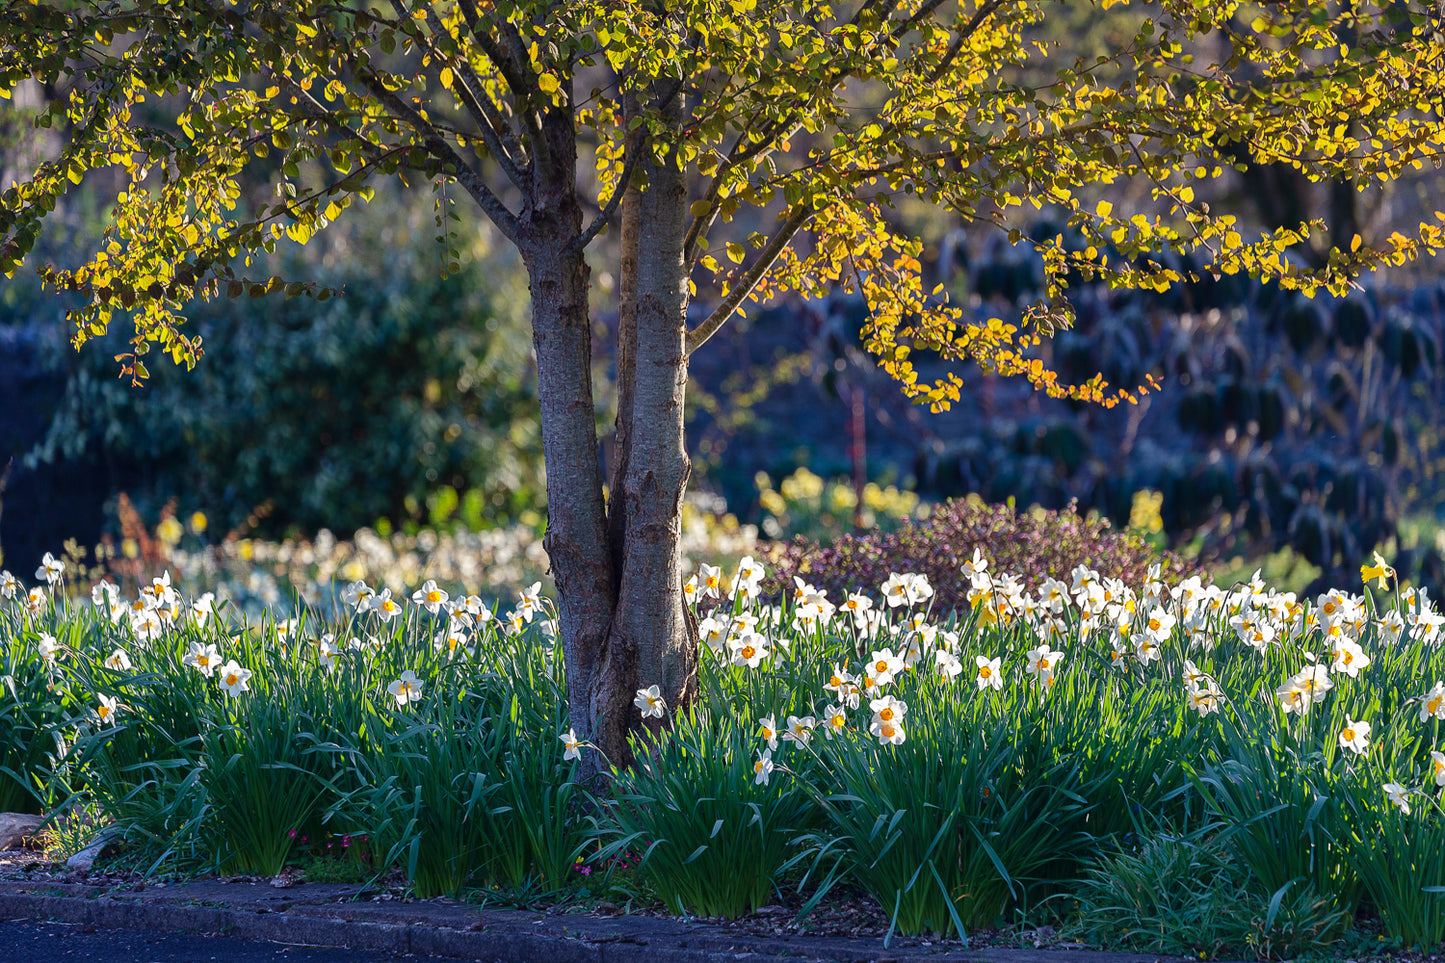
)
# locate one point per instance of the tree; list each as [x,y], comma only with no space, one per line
[802,118]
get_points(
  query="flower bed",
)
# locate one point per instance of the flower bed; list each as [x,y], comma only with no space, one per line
[1182,768]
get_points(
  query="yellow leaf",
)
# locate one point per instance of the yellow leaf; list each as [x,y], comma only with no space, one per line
[735,253]
[1355,243]
[446,77]
[548,83]
[1104,208]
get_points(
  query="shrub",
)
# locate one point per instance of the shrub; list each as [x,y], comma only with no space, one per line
[409,399]
[1032,544]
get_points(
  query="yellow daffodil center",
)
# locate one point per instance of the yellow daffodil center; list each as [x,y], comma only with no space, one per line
[881,667]
[886,715]
[1154,625]
[232,679]
[433,596]
[1348,735]
[888,731]
[987,672]
[748,652]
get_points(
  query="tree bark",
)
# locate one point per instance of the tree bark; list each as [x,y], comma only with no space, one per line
[623,623]
[652,641]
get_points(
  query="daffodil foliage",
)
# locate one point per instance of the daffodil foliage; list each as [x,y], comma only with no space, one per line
[820,113]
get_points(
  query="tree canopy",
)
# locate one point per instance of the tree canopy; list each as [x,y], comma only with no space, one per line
[819,113]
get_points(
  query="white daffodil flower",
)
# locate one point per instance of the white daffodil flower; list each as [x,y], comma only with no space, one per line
[406,689]
[649,701]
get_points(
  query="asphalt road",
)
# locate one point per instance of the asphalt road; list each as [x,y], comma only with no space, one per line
[27,942]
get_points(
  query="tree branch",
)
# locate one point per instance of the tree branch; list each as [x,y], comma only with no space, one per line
[485,119]
[779,242]
[471,182]
[629,166]
[956,45]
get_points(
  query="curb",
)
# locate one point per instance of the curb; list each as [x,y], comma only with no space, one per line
[467,933]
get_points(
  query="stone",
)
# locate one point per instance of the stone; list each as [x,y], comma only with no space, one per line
[18,829]
[84,861]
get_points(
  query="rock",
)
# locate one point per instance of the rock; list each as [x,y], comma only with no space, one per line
[84,861]
[17,830]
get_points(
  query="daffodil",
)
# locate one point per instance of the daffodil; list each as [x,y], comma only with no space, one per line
[884,666]
[9,586]
[34,600]
[49,649]
[749,578]
[1204,697]
[887,733]
[358,595]
[1398,795]
[107,708]
[1355,736]
[768,730]
[709,580]
[763,768]
[385,606]
[1433,705]
[800,730]
[888,710]
[1437,766]
[1378,571]
[949,665]
[649,701]
[102,592]
[234,679]
[453,642]
[1349,658]
[1043,662]
[529,601]
[51,569]
[406,689]
[118,661]
[749,650]
[572,746]
[990,676]
[202,657]
[835,720]
[430,597]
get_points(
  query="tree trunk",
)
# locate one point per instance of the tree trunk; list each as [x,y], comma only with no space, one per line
[652,641]
[623,623]
[576,539]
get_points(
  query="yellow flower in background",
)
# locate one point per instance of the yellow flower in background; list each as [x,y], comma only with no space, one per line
[170,531]
[1378,571]
[198,523]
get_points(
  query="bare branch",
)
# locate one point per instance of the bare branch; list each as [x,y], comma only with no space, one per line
[776,245]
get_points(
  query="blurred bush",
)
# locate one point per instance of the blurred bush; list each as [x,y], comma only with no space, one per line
[805,506]
[408,400]
[1033,545]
